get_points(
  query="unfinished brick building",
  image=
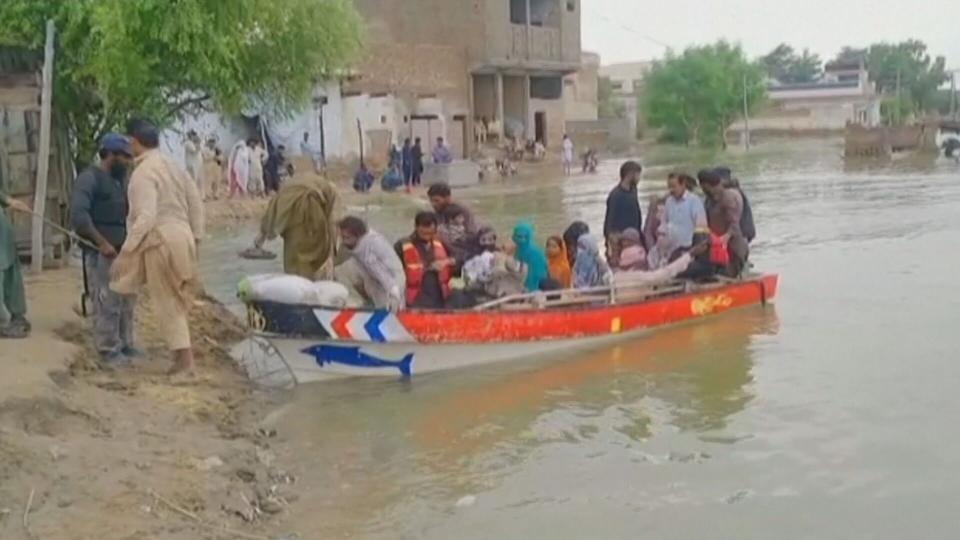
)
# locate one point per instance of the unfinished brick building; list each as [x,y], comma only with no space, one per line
[444,64]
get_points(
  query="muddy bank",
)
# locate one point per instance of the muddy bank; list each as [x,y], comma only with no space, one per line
[93,454]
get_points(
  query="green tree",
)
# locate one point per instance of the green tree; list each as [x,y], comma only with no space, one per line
[166,58]
[919,75]
[788,67]
[905,68]
[695,96]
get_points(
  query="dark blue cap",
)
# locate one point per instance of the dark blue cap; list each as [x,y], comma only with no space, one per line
[114,142]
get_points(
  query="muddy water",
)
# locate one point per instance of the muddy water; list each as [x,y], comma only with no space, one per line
[830,416]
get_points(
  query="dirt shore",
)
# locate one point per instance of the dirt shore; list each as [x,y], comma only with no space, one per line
[93,454]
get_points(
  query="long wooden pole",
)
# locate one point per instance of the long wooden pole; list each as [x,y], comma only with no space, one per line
[43,154]
[360,136]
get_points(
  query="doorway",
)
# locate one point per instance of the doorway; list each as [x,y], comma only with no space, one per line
[540,127]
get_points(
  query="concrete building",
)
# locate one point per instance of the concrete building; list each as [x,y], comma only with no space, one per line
[843,96]
[447,63]
[626,79]
[580,90]
[430,69]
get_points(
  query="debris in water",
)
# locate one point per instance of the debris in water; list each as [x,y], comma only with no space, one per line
[208,464]
[257,254]
[738,496]
[465,501]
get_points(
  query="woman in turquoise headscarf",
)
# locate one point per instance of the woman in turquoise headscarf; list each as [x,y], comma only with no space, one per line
[532,258]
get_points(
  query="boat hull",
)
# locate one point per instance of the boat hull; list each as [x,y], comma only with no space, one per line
[320,343]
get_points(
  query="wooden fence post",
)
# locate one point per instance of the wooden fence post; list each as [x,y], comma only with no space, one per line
[43,155]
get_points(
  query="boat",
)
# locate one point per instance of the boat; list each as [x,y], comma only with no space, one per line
[319,343]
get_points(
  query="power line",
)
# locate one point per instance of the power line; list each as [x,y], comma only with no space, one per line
[622,26]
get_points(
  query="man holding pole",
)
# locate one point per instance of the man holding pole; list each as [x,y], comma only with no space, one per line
[98,213]
[13,298]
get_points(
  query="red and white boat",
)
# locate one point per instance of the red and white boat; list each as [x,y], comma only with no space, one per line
[319,343]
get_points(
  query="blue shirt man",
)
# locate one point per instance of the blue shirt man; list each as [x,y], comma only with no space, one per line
[684,214]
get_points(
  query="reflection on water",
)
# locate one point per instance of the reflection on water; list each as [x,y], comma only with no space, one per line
[826,418]
[427,443]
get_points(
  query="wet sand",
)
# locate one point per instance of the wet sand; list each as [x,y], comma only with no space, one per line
[131,453]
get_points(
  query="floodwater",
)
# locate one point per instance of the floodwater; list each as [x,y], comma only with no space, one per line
[827,416]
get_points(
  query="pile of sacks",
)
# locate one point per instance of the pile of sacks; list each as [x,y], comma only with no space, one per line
[287,289]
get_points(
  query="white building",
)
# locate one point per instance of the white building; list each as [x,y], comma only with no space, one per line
[331,120]
[844,95]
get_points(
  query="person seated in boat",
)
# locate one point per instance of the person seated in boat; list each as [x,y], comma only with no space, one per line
[534,261]
[373,273]
[440,198]
[632,255]
[612,252]
[558,264]
[489,272]
[655,215]
[633,285]
[427,265]
[570,237]
[454,236]
[590,269]
[728,247]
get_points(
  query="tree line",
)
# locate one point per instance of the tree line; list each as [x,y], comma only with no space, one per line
[694,96]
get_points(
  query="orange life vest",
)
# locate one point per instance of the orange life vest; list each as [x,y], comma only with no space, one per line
[413,268]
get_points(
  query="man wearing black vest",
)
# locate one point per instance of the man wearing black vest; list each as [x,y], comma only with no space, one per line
[98,212]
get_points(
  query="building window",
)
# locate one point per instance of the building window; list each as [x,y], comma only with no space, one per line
[518,11]
[546,87]
[383,119]
[571,5]
[616,85]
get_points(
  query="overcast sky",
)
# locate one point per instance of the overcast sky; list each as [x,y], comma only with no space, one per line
[627,30]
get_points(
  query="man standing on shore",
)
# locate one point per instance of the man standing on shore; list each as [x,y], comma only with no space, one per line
[98,213]
[13,297]
[164,229]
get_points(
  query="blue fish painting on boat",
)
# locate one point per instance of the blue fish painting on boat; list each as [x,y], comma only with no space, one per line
[353,356]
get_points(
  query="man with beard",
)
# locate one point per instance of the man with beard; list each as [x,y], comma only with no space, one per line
[98,213]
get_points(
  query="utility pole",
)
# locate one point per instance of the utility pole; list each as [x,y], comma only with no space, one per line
[953,95]
[43,155]
[746,116]
[899,103]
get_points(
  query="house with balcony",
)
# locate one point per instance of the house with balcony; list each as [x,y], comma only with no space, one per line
[843,96]
[446,64]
